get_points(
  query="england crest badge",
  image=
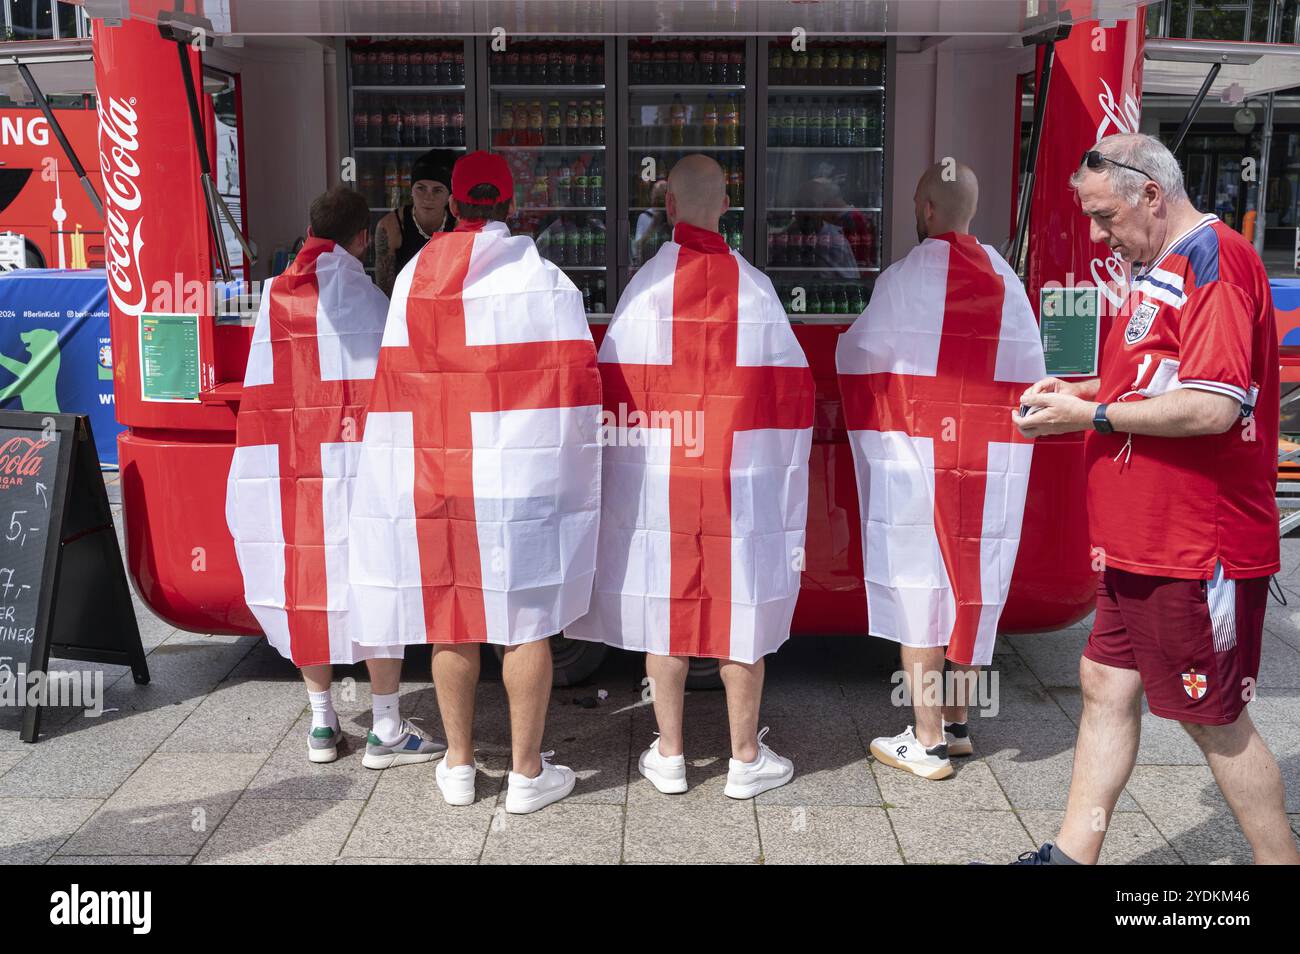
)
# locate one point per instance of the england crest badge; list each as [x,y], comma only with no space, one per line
[1195,684]
[1140,323]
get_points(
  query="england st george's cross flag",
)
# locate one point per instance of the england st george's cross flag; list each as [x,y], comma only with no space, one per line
[478,493]
[929,375]
[297,439]
[708,409]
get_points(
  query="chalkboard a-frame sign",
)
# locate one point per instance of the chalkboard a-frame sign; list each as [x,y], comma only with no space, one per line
[63,588]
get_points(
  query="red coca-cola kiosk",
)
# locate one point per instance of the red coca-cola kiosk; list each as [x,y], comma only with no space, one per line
[934,97]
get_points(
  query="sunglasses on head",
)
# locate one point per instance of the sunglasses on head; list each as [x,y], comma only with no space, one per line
[1095,161]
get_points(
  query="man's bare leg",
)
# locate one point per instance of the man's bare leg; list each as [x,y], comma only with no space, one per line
[1104,755]
[385,675]
[455,679]
[744,686]
[318,678]
[964,683]
[527,675]
[667,676]
[1249,778]
[919,662]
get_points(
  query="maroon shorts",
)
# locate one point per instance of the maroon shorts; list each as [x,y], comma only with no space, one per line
[1195,642]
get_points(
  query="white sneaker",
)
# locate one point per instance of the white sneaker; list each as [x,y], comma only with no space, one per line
[456,782]
[666,772]
[768,771]
[957,735]
[525,795]
[905,751]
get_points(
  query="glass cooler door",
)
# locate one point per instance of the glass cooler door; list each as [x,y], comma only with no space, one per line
[824,181]
[405,96]
[547,106]
[683,95]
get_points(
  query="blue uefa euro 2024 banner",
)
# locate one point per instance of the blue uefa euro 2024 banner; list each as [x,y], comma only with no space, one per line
[55,350]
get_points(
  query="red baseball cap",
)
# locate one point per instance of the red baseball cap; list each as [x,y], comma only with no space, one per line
[480,168]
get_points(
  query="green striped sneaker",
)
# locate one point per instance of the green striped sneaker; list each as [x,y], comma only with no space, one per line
[323,743]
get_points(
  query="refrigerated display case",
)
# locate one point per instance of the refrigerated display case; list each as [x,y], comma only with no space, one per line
[591,129]
[682,96]
[549,113]
[404,97]
[824,182]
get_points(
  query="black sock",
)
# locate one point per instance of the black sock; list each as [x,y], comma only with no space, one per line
[1058,857]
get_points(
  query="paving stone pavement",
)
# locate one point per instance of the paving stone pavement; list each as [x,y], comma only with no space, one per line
[205,765]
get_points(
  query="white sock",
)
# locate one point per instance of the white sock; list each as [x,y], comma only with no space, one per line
[322,710]
[388,721]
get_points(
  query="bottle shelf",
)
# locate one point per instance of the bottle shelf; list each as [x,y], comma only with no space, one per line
[405,148]
[686,88]
[685,148]
[809,149]
[823,90]
[413,88]
[547,148]
[544,90]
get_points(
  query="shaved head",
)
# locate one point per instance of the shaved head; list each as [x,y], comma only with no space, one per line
[946,198]
[697,192]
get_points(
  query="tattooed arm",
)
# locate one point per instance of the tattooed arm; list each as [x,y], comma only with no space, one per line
[387,240]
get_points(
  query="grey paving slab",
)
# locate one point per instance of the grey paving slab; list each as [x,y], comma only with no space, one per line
[701,825]
[402,861]
[288,773]
[169,806]
[1186,807]
[117,860]
[827,834]
[33,829]
[567,832]
[69,773]
[818,733]
[958,836]
[971,786]
[396,823]
[1052,657]
[9,759]
[240,715]
[283,831]
[1130,840]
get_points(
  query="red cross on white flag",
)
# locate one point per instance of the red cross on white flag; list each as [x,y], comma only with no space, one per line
[929,375]
[709,404]
[478,492]
[298,436]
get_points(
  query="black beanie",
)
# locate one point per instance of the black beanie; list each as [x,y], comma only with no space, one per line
[435,165]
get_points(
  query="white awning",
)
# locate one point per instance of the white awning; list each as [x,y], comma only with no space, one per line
[1180,66]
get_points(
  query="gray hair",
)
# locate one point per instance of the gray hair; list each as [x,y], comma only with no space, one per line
[1146,153]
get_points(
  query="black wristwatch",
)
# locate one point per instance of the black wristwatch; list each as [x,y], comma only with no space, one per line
[1099,422]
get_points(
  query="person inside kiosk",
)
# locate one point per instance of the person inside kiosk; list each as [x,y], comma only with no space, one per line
[402,232]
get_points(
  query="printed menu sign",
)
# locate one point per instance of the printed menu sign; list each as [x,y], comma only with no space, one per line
[1069,321]
[169,357]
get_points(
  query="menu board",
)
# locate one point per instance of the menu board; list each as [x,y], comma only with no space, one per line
[63,588]
[28,463]
[1069,322]
[169,357]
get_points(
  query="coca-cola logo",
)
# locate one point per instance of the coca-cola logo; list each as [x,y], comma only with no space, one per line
[119,125]
[21,457]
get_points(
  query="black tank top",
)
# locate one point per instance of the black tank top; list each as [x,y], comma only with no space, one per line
[412,240]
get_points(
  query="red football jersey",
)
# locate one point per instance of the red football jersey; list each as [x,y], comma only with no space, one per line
[1200,316]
